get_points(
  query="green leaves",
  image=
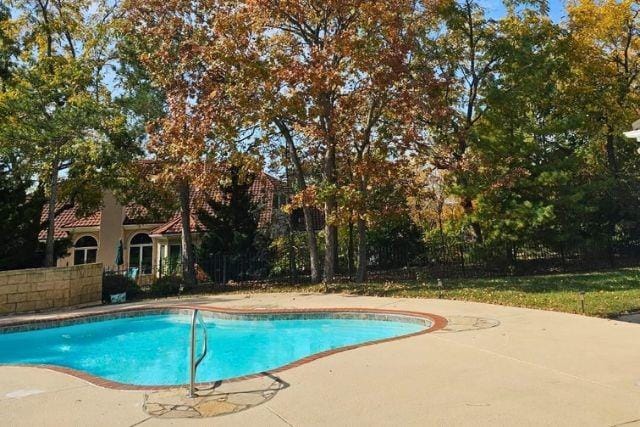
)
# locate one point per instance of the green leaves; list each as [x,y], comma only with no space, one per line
[20,223]
[56,112]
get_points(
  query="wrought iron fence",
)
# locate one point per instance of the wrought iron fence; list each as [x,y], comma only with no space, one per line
[465,259]
[433,261]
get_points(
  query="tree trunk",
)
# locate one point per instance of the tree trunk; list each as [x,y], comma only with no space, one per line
[330,208]
[350,250]
[612,158]
[293,272]
[361,276]
[312,241]
[188,262]
[467,206]
[49,258]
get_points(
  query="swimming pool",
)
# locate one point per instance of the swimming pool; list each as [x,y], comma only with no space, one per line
[152,349]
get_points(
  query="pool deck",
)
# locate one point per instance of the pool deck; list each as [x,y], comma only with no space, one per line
[491,365]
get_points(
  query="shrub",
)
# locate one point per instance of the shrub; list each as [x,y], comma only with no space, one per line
[116,284]
[167,286]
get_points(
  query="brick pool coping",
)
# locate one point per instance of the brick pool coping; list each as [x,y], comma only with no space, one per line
[436,323]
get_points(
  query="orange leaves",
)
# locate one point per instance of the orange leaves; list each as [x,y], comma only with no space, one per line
[338,72]
[191,52]
[307,197]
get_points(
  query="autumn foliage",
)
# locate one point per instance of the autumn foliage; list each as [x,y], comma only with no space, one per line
[466,125]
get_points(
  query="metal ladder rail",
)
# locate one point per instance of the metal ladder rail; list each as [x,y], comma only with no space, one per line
[193,361]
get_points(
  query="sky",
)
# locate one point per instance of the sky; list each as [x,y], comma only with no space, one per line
[496,9]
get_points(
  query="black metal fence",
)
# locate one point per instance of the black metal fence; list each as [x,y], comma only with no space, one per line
[477,260]
[288,262]
[433,261]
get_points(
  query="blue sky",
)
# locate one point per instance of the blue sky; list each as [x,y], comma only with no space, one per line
[496,9]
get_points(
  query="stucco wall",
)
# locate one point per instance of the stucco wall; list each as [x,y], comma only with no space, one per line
[67,260]
[38,289]
[110,230]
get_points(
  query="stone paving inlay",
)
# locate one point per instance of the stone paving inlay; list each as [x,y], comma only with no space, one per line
[220,399]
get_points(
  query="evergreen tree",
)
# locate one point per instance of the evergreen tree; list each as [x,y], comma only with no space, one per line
[20,225]
[232,221]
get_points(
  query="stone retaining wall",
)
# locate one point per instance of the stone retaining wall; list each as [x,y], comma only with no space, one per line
[38,289]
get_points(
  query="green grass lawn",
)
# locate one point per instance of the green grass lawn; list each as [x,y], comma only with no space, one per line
[607,293]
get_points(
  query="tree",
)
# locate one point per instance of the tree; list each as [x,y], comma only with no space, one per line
[20,225]
[463,56]
[377,116]
[231,221]
[605,59]
[544,159]
[306,44]
[306,197]
[525,154]
[8,46]
[340,66]
[428,200]
[189,56]
[57,113]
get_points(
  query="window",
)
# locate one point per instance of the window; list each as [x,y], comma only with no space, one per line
[85,251]
[141,253]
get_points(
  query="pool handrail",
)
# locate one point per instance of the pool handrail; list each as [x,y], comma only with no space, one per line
[193,361]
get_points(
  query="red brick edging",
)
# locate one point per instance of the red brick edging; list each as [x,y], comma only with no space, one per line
[437,323]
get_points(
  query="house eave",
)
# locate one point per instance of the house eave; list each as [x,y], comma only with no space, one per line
[165,235]
[141,226]
[93,228]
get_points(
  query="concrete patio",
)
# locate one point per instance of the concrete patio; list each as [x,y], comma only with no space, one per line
[491,365]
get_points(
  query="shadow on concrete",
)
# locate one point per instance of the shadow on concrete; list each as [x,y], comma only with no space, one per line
[221,398]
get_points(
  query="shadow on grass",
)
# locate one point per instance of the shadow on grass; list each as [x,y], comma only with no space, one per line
[602,281]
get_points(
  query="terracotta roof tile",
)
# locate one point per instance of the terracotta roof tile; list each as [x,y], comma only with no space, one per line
[174,226]
[263,193]
[138,214]
[92,220]
[66,216]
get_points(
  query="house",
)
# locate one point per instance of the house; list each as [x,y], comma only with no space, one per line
[148,242]
[635,133]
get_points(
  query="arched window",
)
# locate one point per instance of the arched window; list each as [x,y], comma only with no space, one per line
[141,253]
[85,251]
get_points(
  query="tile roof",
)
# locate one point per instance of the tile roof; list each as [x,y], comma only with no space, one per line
[66,216]
[138,214]
[93,220]
[174,226]
[262,191]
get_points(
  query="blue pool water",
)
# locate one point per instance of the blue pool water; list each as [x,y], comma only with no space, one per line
[154,349]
